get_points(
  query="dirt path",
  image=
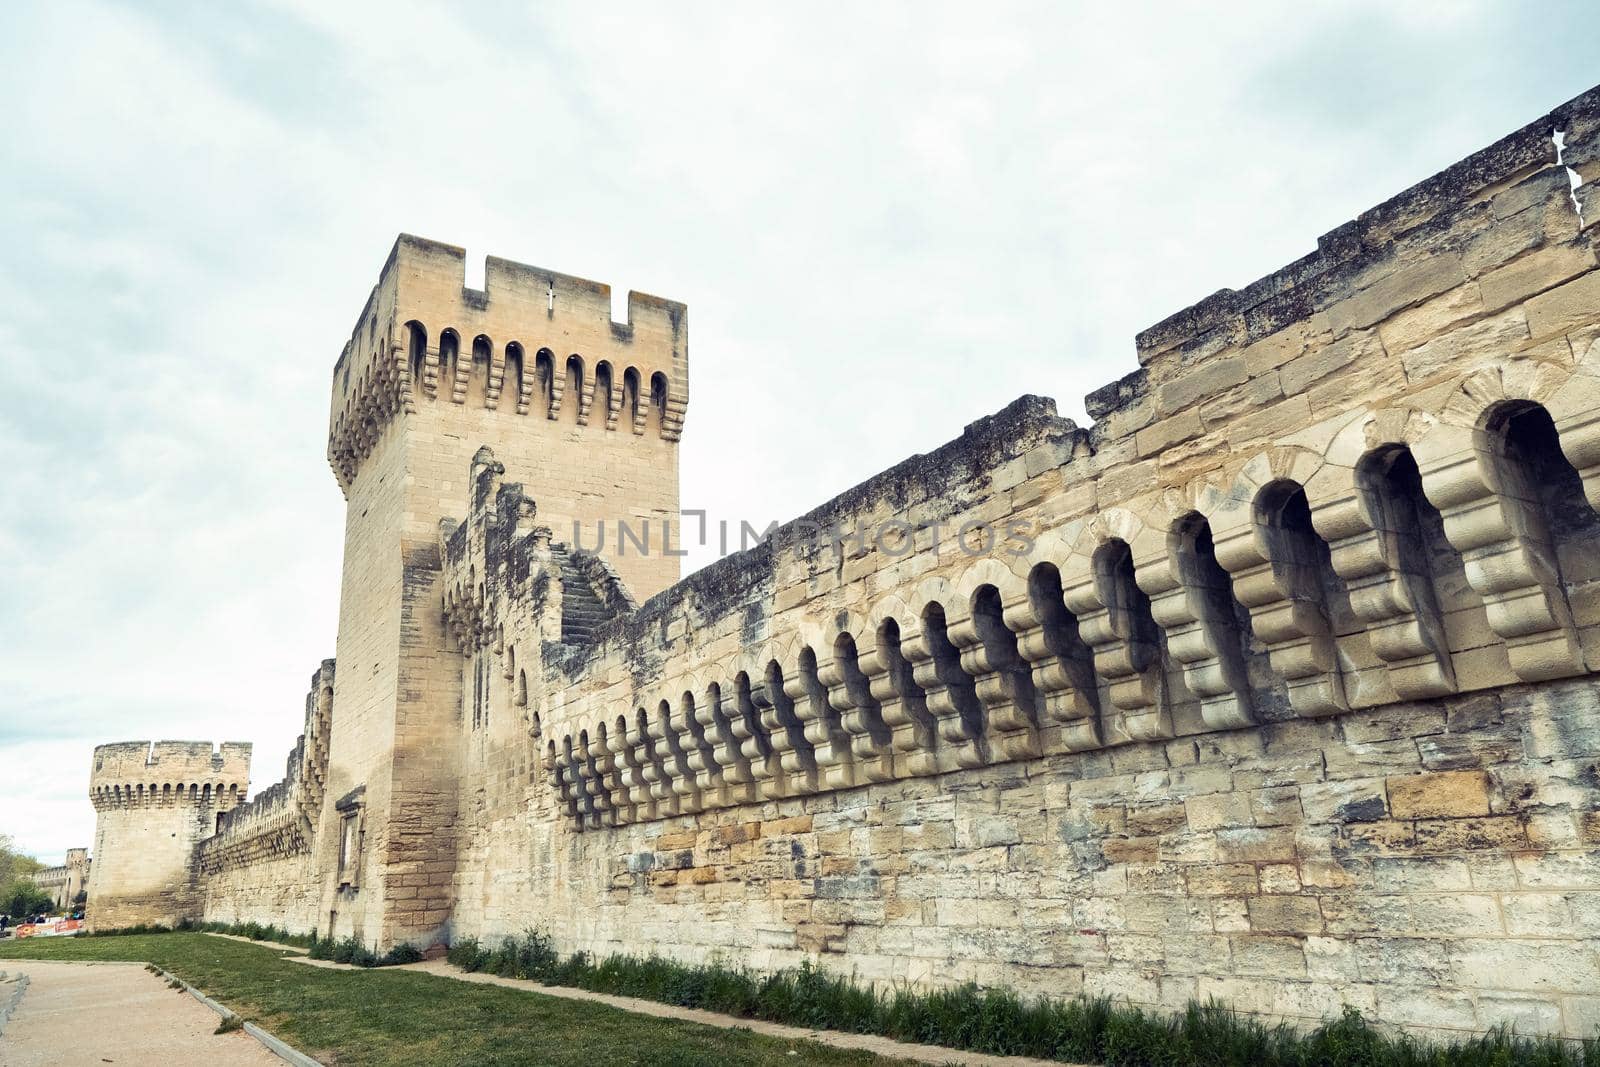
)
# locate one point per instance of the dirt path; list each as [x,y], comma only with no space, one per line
[279,945]
[96,1013]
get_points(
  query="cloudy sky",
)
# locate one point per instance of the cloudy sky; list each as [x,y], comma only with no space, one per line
[886,220]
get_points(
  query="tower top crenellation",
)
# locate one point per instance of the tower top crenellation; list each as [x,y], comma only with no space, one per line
[512,347]
[162,763]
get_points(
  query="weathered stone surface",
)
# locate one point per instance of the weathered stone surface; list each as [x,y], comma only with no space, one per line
[1399,289]
[1564,307]
[1535,273]
[1299,373]
[1488,340]
[1445,794]
[1274,685]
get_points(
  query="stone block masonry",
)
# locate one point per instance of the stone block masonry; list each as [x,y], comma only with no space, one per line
[1279,684]
[153,802]
[66,882]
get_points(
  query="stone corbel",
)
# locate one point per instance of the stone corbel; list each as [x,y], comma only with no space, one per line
[680,756]
[1196,617]
[633,797]
[1068,692]
[1002,679]
[859,715]
[1284,596]
[913,739]
[793,772]
[497,377]
[613,401]
[597,772]
[830,745]
[1387,592]
[558,387]
[585,397]
[701,726]
[1509,560]
[1135,705]
[656,766]
[583,784]
[962,743]
[728,733]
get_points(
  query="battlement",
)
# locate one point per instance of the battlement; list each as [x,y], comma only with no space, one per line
[1346,255]
[431,272]
[532,341]
[132,772]
[286,811]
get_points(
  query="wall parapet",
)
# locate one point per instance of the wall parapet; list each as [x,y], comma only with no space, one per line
[1339,513]
[282,819]
[1374,238]
[166,773]
[533,342]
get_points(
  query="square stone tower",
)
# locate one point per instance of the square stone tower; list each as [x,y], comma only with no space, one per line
[585,412]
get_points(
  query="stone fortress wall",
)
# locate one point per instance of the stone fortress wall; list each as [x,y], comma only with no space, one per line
[153,801]
[259,866]
[1287,701]
[66,881]
[1276,684]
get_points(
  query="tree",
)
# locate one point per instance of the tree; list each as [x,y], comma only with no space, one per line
[22,899]
[14,864]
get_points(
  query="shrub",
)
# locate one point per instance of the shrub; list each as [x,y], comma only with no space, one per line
[466,955]
[404,953]
[125,931]
[1084,1029]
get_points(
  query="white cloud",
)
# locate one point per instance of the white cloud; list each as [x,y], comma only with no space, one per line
[887,221]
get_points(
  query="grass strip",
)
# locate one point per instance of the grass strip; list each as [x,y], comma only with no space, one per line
[389,1018]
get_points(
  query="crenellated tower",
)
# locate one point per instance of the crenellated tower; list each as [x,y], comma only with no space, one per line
[153,801]
[584,412]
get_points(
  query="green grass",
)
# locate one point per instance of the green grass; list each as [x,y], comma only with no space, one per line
[384,1017]
[1079,1030]
[348,950]
[389,1017]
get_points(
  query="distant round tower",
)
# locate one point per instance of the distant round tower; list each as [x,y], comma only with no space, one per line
[153,802]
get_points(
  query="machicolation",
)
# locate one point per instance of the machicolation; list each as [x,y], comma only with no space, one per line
[1278,684]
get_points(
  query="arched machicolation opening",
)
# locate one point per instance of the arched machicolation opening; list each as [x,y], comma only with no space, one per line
[1129,606]
[1000,647]
[1060,630]
[947,668]
[417,336]
[1543,489]
[1223,619]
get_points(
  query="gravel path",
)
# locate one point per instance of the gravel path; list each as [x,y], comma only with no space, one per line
[94,1013]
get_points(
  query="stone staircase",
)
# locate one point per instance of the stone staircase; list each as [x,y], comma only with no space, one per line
[582,613]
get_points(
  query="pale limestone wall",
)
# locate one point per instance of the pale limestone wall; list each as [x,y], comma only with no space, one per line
[66,881]
[1287,694]
[273,890]
[260,866]
[1292,758]
[153,802]
[1431,864]
[369,701]
[429,376]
